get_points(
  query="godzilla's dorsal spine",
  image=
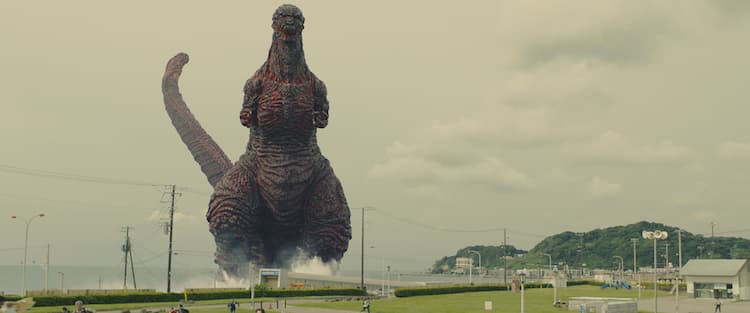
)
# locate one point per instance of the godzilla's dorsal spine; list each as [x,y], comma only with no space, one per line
[212,160]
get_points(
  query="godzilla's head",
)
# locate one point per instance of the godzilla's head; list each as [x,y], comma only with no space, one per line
[288,23]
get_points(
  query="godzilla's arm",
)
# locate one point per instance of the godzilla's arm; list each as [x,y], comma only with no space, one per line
[253,89]
[214,163]
[320,110]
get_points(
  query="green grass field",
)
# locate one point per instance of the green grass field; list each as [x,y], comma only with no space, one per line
[536,301]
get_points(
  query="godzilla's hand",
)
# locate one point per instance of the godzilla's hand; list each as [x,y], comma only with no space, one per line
[320,119]
[246,116]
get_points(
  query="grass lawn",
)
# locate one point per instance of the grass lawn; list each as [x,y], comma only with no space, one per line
[536,301]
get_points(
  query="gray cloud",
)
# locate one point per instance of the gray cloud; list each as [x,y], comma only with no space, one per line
[732,150]
[601,188]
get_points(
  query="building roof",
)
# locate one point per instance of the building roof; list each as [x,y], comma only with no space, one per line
[712,267]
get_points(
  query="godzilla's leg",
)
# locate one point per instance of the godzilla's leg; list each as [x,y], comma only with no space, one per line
[327,228]
[234,216]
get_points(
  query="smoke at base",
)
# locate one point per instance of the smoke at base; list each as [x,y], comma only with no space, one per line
[314,266]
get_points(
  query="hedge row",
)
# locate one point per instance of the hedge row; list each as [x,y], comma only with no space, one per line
[424,291]
[175,297]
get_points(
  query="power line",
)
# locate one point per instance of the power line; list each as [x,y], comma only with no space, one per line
[84,178]
[55,200]
[90,179]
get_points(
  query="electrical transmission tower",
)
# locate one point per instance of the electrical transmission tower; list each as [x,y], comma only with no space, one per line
[127,248]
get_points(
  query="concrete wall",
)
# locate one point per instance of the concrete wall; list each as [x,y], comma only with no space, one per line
[734,280]
[744,283]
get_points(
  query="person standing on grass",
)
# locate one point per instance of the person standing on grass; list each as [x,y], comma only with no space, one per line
[80,308]
[366,306]
[233,306]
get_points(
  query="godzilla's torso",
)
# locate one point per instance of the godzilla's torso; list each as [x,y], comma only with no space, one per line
[283,148]
[284,117]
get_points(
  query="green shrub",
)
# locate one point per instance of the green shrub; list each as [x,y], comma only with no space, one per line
[423,291]
[175,297]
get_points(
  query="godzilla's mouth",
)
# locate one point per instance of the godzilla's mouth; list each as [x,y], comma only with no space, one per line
[289,33]
[290,30]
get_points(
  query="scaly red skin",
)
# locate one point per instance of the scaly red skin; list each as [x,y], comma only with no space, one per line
[282,197]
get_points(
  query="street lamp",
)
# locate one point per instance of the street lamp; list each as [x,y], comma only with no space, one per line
[523,276]
[382,281]
[635,265]
[362,264]
[388,294]
[26,249]
[655,235]
[550,260]
[62,281]
[472,262]
[621,265]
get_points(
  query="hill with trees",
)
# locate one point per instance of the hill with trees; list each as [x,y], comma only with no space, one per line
[598,248]
[492,257]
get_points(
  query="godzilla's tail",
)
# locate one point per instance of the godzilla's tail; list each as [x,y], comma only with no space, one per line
[214,163]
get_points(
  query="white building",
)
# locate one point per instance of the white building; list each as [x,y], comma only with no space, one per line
[728,279]
[463,265]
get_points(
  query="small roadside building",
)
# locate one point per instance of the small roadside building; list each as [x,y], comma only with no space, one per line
[726,279]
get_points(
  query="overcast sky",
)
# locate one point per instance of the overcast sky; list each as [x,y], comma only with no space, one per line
[447,117]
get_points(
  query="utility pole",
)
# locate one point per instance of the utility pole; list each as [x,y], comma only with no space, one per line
[125,250]
[46,272]
[132,265]
[171,229]
[666,255]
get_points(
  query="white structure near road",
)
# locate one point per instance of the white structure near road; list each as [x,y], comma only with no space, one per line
[726,279]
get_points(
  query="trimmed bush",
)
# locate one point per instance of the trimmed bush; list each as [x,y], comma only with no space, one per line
[424,291]
[175,297]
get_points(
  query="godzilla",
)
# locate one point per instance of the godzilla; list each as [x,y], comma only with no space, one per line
[281,200]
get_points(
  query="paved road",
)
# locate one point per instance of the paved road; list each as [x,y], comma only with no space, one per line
[690,305]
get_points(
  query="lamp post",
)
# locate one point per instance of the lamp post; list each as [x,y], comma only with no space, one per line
[472,262]
[523,276]
[550,260]
[655,235]
[635,265]
[62,281]
[621,265]
[362,264]
[382,281]
[388,294]
[26,249]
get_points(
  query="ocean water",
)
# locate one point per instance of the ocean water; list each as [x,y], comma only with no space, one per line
[91,277]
